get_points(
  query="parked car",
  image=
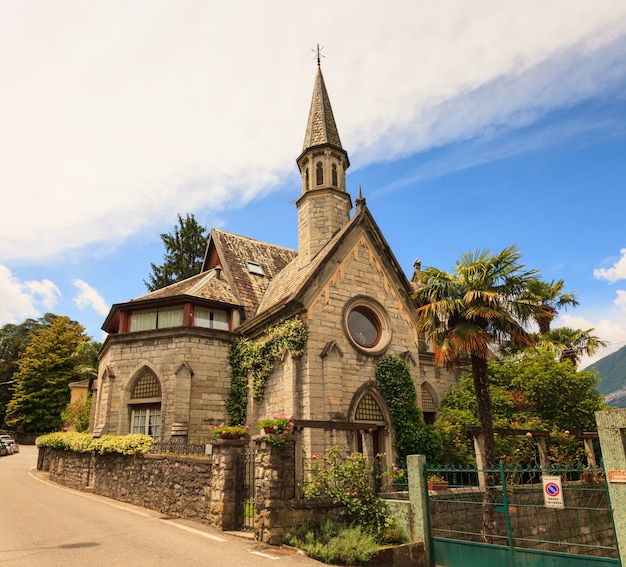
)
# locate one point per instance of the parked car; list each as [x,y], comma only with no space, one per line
[10,444]
[4,449]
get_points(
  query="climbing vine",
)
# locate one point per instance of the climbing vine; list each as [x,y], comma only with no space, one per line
[411,435]
[251,363]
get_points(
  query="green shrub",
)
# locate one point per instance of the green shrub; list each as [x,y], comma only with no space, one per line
[84,443]
[333,543]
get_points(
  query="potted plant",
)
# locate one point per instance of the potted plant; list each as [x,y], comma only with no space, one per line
[592,475]
[436,482]
[280,424]
[224,431]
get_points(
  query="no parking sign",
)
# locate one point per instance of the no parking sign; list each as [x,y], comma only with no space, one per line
[552,491]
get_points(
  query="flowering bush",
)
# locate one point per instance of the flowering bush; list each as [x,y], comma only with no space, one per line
[216,431]
[347,480]
[280,423]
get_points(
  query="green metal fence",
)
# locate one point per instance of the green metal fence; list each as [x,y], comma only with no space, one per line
[511,502]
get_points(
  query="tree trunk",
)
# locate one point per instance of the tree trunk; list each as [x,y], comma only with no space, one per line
[485,416]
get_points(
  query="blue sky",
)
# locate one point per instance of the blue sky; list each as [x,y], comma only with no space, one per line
[469,125]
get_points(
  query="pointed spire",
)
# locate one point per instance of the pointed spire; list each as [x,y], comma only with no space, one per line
[360,201]
[321,128]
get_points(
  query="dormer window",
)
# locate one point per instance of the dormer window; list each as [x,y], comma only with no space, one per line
[319,173]
[254,268]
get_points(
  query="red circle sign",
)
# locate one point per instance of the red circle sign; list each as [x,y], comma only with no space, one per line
[552,489]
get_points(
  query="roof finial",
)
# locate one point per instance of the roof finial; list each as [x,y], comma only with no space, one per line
[360,201]
[318,54]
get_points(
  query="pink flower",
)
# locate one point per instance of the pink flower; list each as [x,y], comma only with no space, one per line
[276,427]
[314,456]
[566,431]
[529,434]
[394,469]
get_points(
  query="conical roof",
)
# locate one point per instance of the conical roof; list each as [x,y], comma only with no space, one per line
[321,128]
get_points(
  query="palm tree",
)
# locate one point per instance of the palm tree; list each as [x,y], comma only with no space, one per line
[467,313]
[551,298]
[571,344]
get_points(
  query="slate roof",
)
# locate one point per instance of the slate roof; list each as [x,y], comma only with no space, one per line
[234,251]
[205,285]
[321,127]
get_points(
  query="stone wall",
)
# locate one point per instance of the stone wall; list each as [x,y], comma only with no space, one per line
[198,488]
[277,503]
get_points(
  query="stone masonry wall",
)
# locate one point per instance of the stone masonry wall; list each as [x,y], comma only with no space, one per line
[191,364]
[198,488]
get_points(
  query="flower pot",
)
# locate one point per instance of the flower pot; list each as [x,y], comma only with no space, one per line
[268,429]
[438,485]
[229,436]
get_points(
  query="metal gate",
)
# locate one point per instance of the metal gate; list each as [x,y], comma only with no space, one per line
[525,532]
[244,515]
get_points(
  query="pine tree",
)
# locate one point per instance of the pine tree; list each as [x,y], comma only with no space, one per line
[184,253]
[45,369]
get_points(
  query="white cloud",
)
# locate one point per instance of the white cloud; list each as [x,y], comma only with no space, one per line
[21,300]
[616,272]
[620,300]
[114,113]
[611,331]
[44,291]
[89,297]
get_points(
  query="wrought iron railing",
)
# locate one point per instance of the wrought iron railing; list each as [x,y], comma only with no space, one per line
[193,448]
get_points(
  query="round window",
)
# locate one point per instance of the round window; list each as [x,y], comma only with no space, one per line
[364,326]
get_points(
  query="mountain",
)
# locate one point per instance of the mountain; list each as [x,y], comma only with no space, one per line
[612,372]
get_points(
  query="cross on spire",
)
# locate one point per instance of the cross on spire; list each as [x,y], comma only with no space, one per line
[318,54]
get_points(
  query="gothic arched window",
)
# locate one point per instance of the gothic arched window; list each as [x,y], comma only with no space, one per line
[319,173]
[334,174]
[145,406]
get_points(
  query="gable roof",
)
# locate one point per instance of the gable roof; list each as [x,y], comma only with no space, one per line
[289,285]
[234,252]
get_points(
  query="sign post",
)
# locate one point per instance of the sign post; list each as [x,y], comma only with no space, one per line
[552,491]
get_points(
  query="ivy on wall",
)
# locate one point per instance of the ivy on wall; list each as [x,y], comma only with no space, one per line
[411,435]
[251,363]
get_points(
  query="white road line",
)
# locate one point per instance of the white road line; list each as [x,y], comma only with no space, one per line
[193,530]
[266,555]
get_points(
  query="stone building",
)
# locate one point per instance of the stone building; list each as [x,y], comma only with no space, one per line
[164,367]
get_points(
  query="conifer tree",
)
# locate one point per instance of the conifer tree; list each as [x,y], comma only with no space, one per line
[184,253]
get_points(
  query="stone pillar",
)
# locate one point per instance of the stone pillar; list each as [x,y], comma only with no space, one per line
[612,432]
[418,497]
[274,489]
[223,489]
[479,449]
[543,452]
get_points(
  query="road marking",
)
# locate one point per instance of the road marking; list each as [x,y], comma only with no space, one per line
[266,555]
[193,530]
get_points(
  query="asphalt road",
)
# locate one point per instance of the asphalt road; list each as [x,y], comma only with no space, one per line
[43,524]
